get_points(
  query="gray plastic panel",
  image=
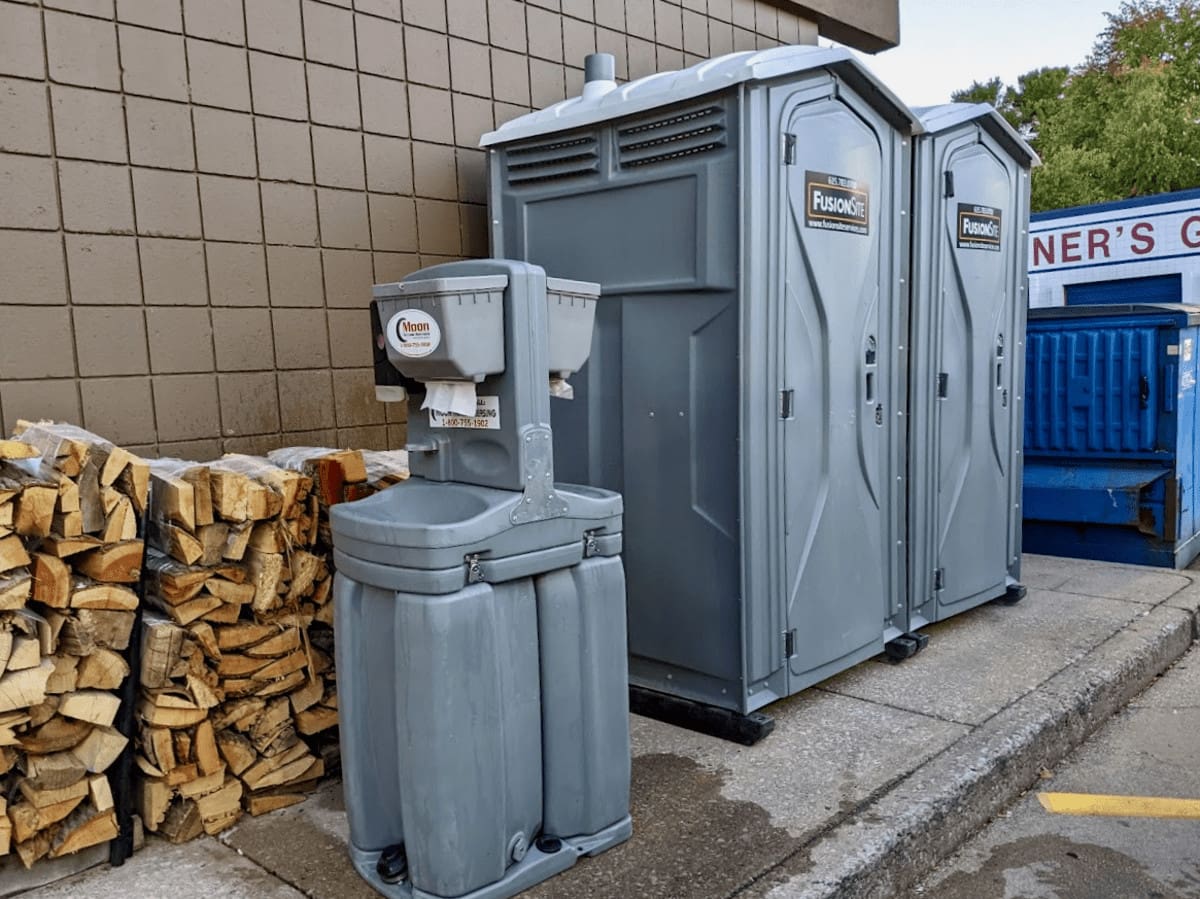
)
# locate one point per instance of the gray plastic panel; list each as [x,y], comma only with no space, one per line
[503,457]
[710,285]
[444,724]
[571,315]
[427,526]
[666,89]
[585,697]
[969,289]
[841,345]
[468,315]
[456,709]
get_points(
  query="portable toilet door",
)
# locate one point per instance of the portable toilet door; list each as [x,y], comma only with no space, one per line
[746,387]
[969,250]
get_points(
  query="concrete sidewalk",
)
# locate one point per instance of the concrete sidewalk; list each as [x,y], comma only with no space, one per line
[867,783]
[1149,748]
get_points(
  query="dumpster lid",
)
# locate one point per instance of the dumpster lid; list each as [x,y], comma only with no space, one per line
[1062,475]
[667,88]
[1180,312]
[950,115]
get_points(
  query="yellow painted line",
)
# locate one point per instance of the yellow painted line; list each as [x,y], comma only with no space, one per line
[1119,806]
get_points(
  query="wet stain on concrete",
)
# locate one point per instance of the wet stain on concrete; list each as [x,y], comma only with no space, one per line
[689,841]
[1053,867]
[291,845]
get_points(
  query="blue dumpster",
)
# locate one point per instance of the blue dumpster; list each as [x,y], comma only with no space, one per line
[1110,425]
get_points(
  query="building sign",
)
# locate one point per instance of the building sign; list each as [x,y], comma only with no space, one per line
[1143,234]
[1136,245]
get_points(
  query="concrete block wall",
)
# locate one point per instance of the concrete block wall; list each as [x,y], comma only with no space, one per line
[196,195]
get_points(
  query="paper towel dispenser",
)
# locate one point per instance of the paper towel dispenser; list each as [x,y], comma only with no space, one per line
[476,348]
[453,328]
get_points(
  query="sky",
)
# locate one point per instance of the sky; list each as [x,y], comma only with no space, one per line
[947,44]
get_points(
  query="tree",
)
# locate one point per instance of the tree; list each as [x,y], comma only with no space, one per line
[1023,105]
[1126,122]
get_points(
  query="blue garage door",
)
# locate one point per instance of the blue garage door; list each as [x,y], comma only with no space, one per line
[1156,289]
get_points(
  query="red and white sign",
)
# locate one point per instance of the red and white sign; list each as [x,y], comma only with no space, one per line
[1123,240]
[1116,241]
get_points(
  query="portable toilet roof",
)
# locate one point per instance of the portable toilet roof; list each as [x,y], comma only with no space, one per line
[950,115]
[708,77]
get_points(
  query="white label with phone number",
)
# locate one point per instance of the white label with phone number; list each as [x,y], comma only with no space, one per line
[487,416]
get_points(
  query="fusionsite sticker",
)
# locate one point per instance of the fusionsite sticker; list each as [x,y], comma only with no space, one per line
[978,227]
[836,203]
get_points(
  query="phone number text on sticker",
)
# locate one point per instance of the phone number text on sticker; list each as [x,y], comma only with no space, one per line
[487,416]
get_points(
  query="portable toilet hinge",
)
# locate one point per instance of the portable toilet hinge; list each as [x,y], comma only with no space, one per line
[789,149]
[787,404]
[943,385]
[474,569]
[590,547]
[939,578]
[949,179]
[789,644]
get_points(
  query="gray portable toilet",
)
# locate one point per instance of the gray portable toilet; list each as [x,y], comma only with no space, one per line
[746,388]
[970,224]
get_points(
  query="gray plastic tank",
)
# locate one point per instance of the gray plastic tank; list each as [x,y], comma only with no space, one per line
[456,741]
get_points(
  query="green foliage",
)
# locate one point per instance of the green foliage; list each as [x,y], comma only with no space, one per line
[1021,104]
[1125,123]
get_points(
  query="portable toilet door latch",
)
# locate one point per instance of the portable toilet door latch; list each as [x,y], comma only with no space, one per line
[789,149]
[789,643]
[787,404]
[939,578]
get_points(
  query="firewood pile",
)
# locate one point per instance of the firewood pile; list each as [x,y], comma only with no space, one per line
[237,693]
[238,707]
[70,558]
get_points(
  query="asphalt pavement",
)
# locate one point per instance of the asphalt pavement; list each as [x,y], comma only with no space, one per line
[1151,749]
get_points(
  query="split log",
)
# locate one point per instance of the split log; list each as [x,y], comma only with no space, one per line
[84,827]
[101,596]
[23,689]
[66,674]
[120,563]
[12,553]
[95,706]
[100,748]
[104,669]
[55,735]
[51,581]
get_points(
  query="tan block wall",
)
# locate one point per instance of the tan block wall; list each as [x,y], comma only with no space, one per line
[196,195]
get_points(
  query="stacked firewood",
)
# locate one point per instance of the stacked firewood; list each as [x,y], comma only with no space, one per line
[239,697]
[229,680]
[342,476]
[69,558]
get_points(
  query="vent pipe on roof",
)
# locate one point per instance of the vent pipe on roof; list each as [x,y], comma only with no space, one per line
[599,75]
